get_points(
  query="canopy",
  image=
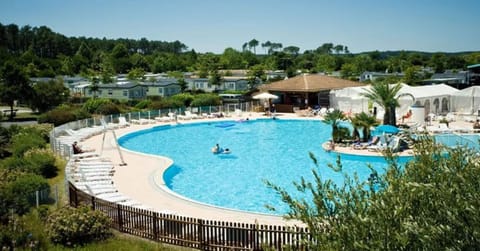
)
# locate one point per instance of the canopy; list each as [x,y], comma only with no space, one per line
[435,98]
[265,95]
[386,129]
[466,101]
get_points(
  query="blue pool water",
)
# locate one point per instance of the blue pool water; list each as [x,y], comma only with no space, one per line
[273,150]
[453,140]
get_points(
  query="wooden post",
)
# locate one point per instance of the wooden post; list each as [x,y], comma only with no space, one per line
[93,202]
[120,220]
[200,234]
[155,226]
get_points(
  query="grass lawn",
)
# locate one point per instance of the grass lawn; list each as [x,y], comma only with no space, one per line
[124,242]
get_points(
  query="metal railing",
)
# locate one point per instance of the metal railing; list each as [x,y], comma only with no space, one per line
[194,232]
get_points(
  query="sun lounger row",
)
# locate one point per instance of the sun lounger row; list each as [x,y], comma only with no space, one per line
[84,133]
[98,190]
[142,121]
[122,122]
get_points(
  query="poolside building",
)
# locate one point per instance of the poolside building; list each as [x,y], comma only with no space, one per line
[306,90]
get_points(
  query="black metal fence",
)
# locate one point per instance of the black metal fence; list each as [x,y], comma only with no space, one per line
[193,232]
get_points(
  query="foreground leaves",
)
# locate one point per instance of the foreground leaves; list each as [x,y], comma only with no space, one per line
[432,203]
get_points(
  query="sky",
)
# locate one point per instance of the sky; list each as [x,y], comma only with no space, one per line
[214,25]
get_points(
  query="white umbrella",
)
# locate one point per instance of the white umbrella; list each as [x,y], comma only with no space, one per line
[265,95]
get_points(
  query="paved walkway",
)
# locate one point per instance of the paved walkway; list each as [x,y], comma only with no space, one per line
[141,178]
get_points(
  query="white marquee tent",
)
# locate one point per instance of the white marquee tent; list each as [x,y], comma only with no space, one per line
[435,98]
[467,101]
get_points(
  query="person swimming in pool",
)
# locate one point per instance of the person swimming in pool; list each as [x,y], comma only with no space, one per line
[216,149]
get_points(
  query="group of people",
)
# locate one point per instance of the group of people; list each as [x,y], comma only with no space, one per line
[269,108]
[217,149]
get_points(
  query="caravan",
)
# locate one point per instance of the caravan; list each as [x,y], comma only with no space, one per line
[231,98]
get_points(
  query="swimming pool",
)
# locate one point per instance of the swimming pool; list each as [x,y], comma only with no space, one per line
[263,149]
[453,140]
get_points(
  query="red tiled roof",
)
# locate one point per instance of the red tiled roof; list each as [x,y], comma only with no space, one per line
[309,83]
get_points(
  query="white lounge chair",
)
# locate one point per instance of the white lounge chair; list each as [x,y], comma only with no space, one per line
[98,191]
[170,117]
[238,112]
[185,116]
[191,115]
[441,128]
[122,122]
[113,197]
[210,116]
[92,183]
[450,117]
[141,121]
[93,178]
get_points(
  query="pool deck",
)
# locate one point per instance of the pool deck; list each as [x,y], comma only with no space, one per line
[141,177]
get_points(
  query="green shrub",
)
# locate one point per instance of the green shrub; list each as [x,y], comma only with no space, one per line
[72,227]
[206,99]
[5,136]
[184,98]
[41,162]
[23,142]
[63,114]
[24,233]
[108,108]
[42,130]
[143,104]
[57,117]
[18,194]
[92,105]
[15,163]
[166,103]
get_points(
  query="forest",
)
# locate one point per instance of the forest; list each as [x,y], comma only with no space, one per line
[45,53]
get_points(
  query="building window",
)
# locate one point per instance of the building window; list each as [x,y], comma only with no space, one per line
[125,93]
[160,90]
[110,92]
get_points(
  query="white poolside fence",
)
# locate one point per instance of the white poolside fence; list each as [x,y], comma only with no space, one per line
[93,126]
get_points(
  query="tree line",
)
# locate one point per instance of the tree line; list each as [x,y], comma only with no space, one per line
[45,53]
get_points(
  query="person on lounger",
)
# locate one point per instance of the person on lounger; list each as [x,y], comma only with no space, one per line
[76,148]
[476,125]
[406,116]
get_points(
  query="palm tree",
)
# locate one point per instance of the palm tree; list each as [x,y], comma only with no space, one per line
[334,118]
[253,44]
[268,45]
[244,46]
[363,121]
[387,97]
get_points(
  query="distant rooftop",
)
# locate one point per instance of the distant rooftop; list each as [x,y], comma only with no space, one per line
[473,66]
